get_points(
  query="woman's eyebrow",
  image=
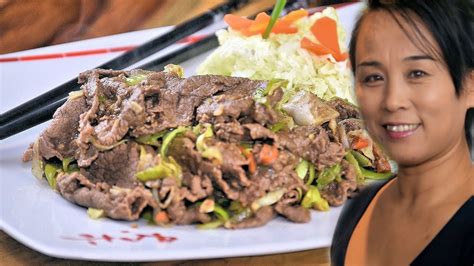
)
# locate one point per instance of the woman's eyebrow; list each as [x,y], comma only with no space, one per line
[369,64]
[418,57]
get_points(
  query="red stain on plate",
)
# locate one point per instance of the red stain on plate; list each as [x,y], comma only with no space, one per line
[133,238]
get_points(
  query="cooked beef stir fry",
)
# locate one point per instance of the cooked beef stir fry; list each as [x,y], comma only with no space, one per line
[212,150]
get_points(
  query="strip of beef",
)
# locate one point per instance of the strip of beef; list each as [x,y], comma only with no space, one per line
[58,140]
[297,214]
[261,217]
[351,124]
[381,162]
[312,144]
[228,105]
[118,203]
[179,214]
[257,131]
[116,167]
[183,150]
[229,131]
[195,187]
[344,108]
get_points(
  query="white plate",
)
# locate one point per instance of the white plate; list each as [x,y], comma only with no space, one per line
[40,218]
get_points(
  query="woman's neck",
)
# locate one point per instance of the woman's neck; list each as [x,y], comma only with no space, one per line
[437,179]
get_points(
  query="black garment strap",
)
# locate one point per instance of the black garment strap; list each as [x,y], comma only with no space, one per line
[350,216]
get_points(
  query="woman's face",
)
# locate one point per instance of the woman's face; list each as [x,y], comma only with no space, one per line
[406,96]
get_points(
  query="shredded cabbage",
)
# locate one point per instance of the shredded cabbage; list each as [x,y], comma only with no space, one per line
[281,57]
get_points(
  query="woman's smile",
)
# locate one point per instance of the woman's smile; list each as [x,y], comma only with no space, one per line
[397,131]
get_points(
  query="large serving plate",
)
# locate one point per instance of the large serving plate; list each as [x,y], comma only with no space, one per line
[40,218]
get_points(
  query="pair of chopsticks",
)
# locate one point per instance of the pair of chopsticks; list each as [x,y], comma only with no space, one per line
[42,108]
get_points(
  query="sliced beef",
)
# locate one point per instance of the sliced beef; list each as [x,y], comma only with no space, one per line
[116,167]
[344,108]
[261,217]
[59,139]
[257,131]
[228,106]
[118,203]
[351,124]
[381,162]
[179,214]
[229,131]
[312,144]
[195,187]
[297,214]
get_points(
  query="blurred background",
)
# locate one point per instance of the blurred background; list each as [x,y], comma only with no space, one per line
[27,24]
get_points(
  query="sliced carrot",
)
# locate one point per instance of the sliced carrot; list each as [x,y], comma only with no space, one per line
[161,217]
[359,143]
[260,23]
[250,160]
[319,49]
[316,48]
[325,30]
[283,27]
[236,22]
[268,154]
[294,16]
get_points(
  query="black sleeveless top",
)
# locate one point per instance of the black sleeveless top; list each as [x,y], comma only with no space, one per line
[453,245]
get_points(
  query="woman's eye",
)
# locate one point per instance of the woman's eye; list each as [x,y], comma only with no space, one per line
[416,74]
[373,78]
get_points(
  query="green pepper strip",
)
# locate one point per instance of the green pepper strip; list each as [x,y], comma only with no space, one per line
[210,225]
[361,159]
[302,169]
[313,199]
[374,175]
[221,213]
[151,139]
[312,174]
[66,162]
[50,171]
[352,160]
[169,138]
[328,175]
[135,79]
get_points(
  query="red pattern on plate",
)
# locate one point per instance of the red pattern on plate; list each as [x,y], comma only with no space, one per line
[133,238]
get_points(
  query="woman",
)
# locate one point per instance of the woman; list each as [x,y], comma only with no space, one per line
[414,80]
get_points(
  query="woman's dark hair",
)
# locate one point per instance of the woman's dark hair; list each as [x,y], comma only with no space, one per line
[451,24]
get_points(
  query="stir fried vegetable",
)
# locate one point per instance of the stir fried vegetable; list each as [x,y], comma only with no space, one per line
[166,168]
[328,175]
[135,79]
[302,169]
[352,160]
[51,171]
[95,213]
[211,153]
[168,138]
[269,199]
[313,199]
[268,154]
[151,139]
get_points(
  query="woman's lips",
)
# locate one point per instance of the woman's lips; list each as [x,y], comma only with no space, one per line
[399,131]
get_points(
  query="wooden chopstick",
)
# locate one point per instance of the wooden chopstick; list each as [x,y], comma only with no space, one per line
[39,115]
[182,30]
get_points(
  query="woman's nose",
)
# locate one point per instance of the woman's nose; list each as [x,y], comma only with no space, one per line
[396,95]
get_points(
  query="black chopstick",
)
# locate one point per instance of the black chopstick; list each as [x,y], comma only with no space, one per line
[40,115]
[127,59]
